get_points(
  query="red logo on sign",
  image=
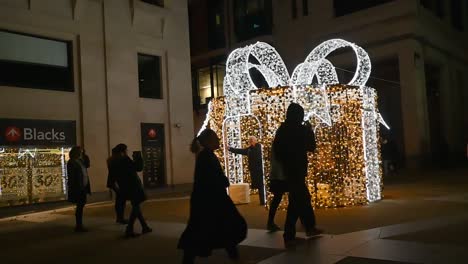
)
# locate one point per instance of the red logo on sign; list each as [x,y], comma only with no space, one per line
[12,134]
[152,133]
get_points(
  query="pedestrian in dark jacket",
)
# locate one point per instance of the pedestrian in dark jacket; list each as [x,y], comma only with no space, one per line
[120,201]
[292,142]
[214,220]
[278,186]
[124,169]
[255,158]
[389,151]
[78,186]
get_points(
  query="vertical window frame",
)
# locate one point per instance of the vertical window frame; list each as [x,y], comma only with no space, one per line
[305,7]
[161,71]
[294,9]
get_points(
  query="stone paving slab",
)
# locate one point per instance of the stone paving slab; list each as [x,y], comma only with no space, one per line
[354,260]
[397,229]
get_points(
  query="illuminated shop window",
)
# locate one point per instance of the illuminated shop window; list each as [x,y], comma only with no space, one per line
[32,175]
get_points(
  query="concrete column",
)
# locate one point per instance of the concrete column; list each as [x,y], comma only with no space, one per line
[122,75]
[180,122]
[414,103]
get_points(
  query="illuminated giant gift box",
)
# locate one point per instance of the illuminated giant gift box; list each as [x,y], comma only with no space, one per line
[345,169]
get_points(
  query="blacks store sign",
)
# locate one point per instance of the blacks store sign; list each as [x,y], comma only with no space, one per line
[153,150]
[28,132]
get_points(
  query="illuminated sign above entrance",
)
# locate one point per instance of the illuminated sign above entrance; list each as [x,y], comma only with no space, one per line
[25,132]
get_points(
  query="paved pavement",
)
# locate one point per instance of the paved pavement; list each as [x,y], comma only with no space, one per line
[421,220]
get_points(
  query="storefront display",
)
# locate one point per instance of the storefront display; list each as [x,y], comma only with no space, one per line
[152,141]
[33,156]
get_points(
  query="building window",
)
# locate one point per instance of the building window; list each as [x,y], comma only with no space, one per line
[305,7]
[252,18]
[35,62]
[434,6]
[209,82]
[149,76]
[155,2]
[294,9]
[345,7]
[216,38]
[457,17]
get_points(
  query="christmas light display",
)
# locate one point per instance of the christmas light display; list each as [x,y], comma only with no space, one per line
[31,175]
[345,170]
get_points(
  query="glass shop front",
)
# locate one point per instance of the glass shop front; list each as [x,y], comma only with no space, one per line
[33,157]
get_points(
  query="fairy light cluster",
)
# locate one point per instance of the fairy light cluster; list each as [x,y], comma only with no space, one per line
[32,175]
[345,170]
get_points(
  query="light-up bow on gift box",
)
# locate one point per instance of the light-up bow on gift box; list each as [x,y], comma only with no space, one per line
[345,169]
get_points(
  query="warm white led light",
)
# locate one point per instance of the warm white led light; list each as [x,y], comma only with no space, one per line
[315,99]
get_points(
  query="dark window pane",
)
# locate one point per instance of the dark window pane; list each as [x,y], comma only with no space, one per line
[293,9]
[439,8]
[426,3]
[252,18]
[457,17]
[435,6]
[305,7]
[155,2]
[345,7]
[149,76]
[35,62]
[216,24]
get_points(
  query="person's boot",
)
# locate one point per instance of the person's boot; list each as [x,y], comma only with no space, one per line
[188,258]
[313,232]
[80,229]
[129,233]
[290,243]
[122,221]
[272,227]
[233,252]
[146,229]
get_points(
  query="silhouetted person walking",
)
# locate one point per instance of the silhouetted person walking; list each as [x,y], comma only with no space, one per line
[292,142]
[130,187]
[120,201]
[389,152]
[254,155]
[278,186]
[78,185]
[214,220]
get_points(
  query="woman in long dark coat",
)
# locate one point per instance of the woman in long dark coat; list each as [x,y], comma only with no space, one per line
[120,201]
[214,220]
[78,186]
[278,187]
[124,169]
